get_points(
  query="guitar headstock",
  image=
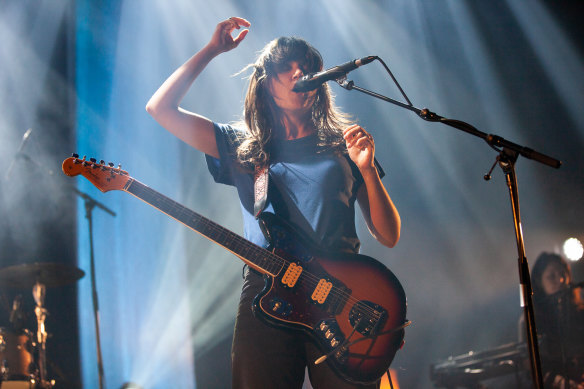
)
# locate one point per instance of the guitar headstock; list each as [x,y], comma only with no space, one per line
[104,177]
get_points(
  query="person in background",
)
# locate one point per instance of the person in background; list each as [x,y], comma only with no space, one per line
[559,319]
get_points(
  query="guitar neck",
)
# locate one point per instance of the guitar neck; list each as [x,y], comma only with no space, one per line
[252,254]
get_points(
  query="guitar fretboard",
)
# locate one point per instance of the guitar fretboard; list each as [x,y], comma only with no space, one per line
[250,253]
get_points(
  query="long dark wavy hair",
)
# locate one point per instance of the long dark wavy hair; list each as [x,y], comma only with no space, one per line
[541,263]
[261,114]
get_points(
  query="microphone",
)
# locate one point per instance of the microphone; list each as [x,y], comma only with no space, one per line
[22,143]
[314,80]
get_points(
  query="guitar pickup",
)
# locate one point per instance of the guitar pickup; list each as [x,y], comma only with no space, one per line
[292,275]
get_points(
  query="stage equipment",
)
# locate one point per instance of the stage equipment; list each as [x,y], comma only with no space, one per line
[18,347]
[468,370]
[508,152]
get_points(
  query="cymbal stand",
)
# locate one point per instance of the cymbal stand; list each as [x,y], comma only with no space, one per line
[39,292]
[90,203]
[508,153]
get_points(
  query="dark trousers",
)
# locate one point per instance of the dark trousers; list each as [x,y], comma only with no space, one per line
[265,357]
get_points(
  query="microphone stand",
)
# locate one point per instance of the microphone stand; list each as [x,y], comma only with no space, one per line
[18,153]
[508,154]
[91,203]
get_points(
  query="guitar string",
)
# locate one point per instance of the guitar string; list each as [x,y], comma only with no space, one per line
[313,279]
[214,227]
[140,187]
[258,250]
[281,262]
[251,246]
[359,307]
[335,291]
[244,244]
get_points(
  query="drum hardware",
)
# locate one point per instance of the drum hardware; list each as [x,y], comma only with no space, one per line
[17,316]
[18,369]
[16,355]
[38,292]
[25,276]
[73,274]
[470,369]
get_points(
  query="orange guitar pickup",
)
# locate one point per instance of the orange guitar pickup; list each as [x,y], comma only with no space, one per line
[292,274]
[321,291]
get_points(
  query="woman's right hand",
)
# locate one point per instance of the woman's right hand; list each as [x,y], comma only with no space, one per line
[222,41]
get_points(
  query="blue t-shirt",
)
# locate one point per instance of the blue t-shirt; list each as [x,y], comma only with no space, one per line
[314,191]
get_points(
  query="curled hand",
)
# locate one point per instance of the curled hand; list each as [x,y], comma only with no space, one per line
[222,40]
[360,146]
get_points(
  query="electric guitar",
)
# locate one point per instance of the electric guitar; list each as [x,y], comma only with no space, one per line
[351,306]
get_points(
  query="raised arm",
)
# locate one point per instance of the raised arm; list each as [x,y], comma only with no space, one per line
[380,213]
[194,129]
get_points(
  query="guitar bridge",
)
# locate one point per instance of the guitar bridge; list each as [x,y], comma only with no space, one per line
[367,317]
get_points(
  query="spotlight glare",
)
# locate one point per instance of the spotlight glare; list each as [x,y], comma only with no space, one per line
[573,249]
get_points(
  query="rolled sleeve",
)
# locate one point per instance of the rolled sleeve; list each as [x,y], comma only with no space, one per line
[227,139]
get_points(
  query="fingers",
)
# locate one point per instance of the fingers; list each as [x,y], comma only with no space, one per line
[350,134]
[235,22]
[363,142]
[240,37]
[222,38]
[351,128]
[355,135]
[240,21]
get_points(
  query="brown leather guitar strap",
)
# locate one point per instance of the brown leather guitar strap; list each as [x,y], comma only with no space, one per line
[260,188]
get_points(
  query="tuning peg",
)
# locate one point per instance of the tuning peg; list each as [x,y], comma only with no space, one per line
[102,162]
[93,160]
[75,155]
[110,164]
[119,166]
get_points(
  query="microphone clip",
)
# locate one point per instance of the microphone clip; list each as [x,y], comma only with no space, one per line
[343,82]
